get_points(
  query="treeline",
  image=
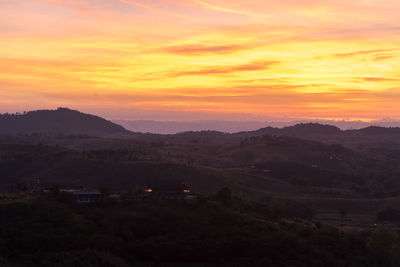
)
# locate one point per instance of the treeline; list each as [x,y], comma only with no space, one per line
[221,230]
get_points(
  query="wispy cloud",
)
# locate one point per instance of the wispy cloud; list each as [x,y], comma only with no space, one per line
[383,57]
[138,4]
[252,66]
[199,49]
[220,8]
[82,7]
[362,52]
[379,79]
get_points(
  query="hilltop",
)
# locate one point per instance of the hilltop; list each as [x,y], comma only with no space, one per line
[62,120]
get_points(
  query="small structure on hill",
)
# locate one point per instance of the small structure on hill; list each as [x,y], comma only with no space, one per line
[81,196]
[167,190]
[87,196]
[76,195]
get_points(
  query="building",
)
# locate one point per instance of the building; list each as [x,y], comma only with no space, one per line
[168,190]
[83,197]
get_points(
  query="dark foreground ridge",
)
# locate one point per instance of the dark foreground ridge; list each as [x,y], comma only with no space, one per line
[220,230]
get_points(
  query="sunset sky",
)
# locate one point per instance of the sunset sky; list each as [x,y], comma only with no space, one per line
[202,59]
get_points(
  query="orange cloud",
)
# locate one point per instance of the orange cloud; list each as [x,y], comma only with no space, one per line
[220,8]
[212,70]
[297,56]
[199,49]
[363,52]
[379,79]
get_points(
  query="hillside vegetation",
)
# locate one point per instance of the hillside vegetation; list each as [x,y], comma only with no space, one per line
[50,233]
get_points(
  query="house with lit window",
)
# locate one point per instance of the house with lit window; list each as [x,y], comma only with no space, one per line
[167,190]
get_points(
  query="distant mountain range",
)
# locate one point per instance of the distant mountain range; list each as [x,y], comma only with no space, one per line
[67,121]
[173,127]
[328,134]
[62,120]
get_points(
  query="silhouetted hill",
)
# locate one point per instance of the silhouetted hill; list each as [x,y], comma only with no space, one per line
[232,126]
[298,130]
[315,128]
[310,131]
[173,127]
[372,130]
[62,120]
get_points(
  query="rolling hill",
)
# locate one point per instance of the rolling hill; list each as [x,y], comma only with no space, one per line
[62,120]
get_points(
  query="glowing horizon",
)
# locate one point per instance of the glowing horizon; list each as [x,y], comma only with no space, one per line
[297,58]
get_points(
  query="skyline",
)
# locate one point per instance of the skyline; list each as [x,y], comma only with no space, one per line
[176,60]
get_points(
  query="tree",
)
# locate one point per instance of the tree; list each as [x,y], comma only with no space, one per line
[388,214]
[382,241]
[343,214]
[224,195]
